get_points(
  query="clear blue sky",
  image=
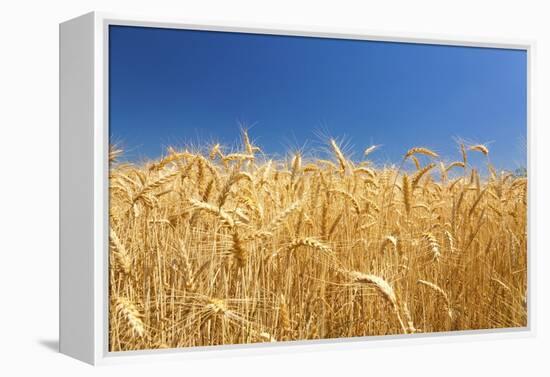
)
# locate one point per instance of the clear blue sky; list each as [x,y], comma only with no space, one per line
[172,87]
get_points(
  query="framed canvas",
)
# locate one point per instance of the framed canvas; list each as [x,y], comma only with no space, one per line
[230,189]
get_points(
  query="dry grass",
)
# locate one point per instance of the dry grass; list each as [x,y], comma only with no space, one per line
[212,248]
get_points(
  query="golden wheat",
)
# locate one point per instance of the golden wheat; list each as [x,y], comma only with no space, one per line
[212,248]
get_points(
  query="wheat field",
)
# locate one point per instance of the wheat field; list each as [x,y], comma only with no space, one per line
[211,248]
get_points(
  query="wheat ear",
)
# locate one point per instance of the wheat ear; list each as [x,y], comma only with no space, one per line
[130,313]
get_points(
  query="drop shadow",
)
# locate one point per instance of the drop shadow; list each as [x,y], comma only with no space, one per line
[51,344]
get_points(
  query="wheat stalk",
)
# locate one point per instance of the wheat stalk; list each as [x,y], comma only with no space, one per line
[437,289]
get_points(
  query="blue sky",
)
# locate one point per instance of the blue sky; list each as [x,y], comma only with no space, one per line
[174,87]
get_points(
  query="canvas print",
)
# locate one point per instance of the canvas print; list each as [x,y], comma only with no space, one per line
[269,188]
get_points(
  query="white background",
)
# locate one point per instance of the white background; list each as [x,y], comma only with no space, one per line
[29,183]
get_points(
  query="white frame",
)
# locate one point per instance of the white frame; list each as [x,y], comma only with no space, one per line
[84,186]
